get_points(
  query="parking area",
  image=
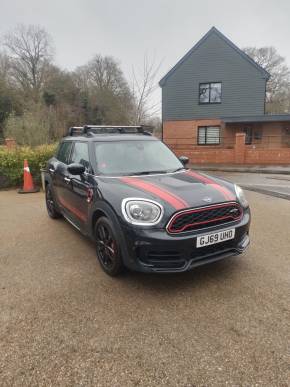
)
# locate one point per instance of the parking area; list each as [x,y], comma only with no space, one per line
[63,322]
[277,185]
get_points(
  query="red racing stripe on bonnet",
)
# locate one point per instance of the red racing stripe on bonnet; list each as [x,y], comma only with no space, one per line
[162,193]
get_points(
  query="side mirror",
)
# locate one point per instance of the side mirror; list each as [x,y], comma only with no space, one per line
[76,169]
[184,160]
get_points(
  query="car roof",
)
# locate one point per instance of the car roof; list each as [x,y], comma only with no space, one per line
[111,137]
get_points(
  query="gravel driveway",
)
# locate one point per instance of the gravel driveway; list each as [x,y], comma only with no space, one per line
[63,322]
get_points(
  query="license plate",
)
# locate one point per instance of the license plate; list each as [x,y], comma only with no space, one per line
[217,237]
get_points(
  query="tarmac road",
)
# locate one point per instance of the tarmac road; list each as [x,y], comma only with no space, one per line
[63,322]
[277,185]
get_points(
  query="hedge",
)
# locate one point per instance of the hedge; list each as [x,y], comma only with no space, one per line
[11,163]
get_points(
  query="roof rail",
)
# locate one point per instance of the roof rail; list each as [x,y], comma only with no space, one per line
[121,129]
[75,130]
[89,130]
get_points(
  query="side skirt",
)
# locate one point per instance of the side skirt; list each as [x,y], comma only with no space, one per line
[71,222]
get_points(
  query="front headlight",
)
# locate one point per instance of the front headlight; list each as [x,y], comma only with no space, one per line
[142,211]
[241,196]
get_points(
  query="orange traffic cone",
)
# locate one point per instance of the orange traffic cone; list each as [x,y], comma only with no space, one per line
[28,186]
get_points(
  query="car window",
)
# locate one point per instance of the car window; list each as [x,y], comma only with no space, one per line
[64,152]
[80,154]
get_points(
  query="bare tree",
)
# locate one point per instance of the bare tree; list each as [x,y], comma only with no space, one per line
[6,93]
[106,74]
[81,78]
[108,96]
[278,86]
[4,67]
[144,85]
[30,50]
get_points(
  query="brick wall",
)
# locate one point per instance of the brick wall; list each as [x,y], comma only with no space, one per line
[181,137]
[186,129]
[208,156]
[278,156]
[10,143]
[272,132]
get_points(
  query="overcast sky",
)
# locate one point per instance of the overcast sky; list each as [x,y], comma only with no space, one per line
[162,29]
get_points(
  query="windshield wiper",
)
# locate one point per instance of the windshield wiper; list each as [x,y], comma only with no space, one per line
[178,169]
[147,173]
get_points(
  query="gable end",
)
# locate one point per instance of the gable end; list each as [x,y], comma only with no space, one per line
[214,30]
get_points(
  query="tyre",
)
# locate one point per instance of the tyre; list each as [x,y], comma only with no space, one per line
[108,247]
[50,203]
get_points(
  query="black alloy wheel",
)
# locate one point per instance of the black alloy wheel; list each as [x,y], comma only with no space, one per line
[50,205]
[108,250]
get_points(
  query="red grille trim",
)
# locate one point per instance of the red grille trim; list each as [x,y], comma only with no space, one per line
[201,209]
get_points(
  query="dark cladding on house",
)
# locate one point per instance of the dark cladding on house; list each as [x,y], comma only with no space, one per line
[214,92]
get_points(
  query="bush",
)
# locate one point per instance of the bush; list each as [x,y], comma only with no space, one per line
[31,128]
[11,163]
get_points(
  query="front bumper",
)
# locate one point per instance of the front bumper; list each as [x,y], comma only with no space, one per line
[154,250]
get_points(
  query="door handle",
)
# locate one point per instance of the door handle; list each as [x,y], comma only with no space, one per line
[67,180]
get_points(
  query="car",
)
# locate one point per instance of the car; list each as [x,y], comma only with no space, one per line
[140,204]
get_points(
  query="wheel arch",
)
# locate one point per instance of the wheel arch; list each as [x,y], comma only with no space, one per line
[97,214]
[47,179]
[103,208]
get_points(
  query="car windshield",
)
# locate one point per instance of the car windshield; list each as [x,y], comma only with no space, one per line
[135,158]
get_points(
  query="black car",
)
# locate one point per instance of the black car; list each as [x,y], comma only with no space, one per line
[139,203]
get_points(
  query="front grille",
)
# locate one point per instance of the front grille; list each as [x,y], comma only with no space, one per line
[164,259]
[199,218]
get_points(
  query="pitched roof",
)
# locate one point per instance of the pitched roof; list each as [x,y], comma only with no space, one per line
[214,30]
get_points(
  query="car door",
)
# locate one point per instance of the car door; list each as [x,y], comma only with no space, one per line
[78,185]
[59,174]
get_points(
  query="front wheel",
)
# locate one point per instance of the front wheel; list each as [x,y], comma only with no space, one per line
[50,204]
[108,248]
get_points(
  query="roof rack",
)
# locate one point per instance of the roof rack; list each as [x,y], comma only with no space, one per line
[75,131]
[89,130]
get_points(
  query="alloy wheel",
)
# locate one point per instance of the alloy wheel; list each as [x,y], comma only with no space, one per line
[106,246]
[49,201]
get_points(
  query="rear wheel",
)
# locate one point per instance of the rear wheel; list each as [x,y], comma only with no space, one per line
[108,248]
[50,204]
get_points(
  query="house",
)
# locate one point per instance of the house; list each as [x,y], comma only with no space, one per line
[215,92]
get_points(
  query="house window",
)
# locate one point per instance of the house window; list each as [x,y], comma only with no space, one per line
[208,135]
[210,92]
[249,135]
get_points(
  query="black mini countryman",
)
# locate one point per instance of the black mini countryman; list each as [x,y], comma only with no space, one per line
[139,203]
